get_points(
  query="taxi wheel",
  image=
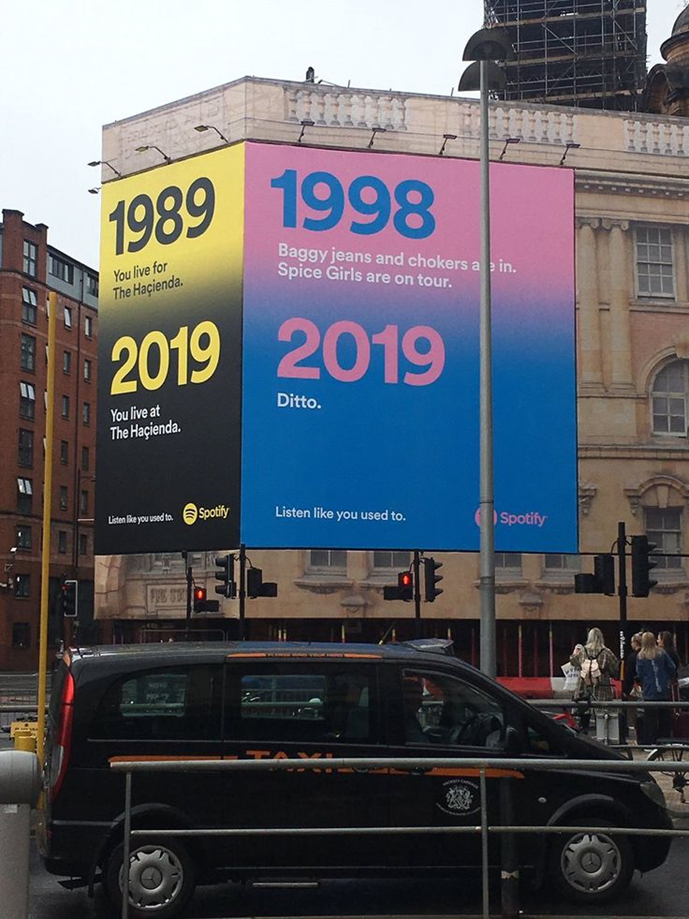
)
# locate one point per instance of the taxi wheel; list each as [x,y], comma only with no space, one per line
[161,878]
[591,867]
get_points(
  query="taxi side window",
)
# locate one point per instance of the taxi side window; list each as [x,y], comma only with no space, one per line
[441,709]
[165,704]
[294,704]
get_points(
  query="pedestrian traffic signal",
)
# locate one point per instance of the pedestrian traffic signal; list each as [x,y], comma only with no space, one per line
[604,571]
[404,589]
[69,598]
[255,586]
[202,604]
[225,574]
[642,565]
[431,579]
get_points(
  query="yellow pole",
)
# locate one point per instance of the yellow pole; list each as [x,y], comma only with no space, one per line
[47,514]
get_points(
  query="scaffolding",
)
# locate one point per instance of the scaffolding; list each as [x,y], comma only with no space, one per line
[588,53]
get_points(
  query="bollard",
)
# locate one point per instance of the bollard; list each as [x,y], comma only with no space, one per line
[20,786]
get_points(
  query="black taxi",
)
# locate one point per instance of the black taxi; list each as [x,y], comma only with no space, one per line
[263,701]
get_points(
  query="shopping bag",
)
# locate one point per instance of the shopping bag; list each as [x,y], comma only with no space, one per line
[571,674]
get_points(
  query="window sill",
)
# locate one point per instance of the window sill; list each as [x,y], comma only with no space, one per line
[321,582]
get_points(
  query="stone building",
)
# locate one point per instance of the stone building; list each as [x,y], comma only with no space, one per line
[632,256]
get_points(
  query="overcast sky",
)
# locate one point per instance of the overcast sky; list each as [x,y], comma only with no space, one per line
[68,68]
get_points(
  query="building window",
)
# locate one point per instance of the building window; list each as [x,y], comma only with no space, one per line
[66,361]
[29,306]
[25,455]
[87,370]
[63,497]
[86,413]
[22,583]
[28,352]
[22,536]
[508,561]
[664,528]
[91,285]
[83,544]
[331,560]
[654,268]
[21,635]
[61,269]
[27,400]
[84,502]
[64,452]
[65,406]
[669,399]
[24,495]
[62,542]
[85,458]
[390,560]
[88,326]
[561,564]
[68,317]
[30,258]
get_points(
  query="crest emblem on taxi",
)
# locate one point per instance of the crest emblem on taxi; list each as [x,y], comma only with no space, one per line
[459,797]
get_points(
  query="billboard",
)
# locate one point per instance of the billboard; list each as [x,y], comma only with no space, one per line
[169,369]
[359,356]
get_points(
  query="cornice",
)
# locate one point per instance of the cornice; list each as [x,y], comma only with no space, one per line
[619,183]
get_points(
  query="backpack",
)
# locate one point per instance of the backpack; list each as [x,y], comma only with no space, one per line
[590,671]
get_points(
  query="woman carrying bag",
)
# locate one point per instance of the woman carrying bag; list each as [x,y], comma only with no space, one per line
[598,667]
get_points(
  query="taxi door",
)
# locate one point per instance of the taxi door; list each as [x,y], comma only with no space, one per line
[303,709]
[440,714]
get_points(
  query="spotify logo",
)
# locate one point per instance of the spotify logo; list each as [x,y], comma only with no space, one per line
[190,513]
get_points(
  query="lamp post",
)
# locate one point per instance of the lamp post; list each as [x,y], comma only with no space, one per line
[484,48]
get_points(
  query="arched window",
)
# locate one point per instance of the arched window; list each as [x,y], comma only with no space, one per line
[669,399]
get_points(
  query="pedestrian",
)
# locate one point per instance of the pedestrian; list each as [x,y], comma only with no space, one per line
[667,642]
[598,668]
[631,690]
[656,671]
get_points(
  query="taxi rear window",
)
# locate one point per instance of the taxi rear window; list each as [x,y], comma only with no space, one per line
[162,704]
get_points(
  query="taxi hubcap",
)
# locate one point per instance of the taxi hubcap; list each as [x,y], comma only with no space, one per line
[155,877]
[591,862]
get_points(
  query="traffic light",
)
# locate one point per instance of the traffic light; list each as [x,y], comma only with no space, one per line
[70,598]
[604,572]
[255,586]
[431,579]
[642,565]
[227,587]
[202,604]
[404,589]
[199,598]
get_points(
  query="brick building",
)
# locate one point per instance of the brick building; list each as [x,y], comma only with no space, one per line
[29,269]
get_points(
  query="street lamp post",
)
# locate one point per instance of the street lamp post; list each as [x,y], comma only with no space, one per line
[484,48]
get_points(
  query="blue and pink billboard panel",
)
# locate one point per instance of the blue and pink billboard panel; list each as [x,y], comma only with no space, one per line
[360,401]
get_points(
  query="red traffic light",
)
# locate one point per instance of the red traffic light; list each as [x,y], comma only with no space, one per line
[199,594]
[405,579]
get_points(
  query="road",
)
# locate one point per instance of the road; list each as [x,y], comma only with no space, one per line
[662,893]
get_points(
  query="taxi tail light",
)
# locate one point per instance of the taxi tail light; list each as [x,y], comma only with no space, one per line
[62,738]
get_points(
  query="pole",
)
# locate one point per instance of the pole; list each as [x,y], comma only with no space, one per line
[487,502]
[417,593]
[190,581]
[47,515]
[622,590]
[509,853]
[242,591]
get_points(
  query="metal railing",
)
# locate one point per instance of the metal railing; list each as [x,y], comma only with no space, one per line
[479,765]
